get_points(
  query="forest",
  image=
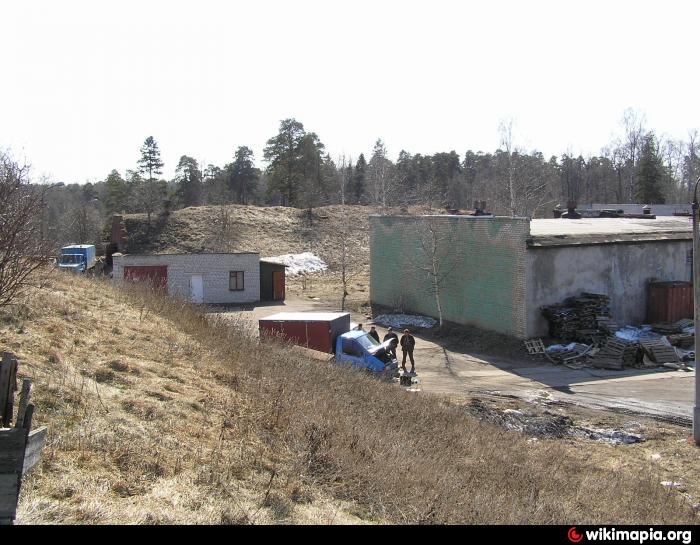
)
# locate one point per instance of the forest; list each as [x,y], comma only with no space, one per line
[636,166]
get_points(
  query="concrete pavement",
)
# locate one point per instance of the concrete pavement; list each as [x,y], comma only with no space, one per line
[666,394]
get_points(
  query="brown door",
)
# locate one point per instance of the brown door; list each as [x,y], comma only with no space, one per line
[278,285]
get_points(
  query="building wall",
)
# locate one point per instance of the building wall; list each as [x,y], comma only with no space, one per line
[620,270]
[214,269]
[486,287]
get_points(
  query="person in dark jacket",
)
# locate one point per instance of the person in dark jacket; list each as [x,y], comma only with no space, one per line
[373,333]
[408,343]
[392,336]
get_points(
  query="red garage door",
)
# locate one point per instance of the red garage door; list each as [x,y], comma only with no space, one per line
[154,274]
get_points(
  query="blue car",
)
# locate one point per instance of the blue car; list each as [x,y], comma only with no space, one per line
[358,349]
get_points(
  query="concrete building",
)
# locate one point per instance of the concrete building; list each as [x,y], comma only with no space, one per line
[497,272]
[202,278]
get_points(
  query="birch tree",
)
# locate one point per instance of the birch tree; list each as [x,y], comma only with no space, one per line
[438,259]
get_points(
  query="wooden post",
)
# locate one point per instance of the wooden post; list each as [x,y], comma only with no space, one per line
[23,402]
[20,448]
[8,385]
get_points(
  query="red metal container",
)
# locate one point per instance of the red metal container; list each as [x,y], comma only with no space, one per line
[315,330]
[669,301]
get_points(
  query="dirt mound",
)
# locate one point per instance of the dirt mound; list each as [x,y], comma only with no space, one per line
[270,230]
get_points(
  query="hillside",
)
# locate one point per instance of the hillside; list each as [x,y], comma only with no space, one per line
[159,414]
[270,230]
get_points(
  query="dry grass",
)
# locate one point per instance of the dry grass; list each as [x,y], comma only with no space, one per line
[158,414]
[272,230]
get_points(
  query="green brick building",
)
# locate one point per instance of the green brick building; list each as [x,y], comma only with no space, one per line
[497,272]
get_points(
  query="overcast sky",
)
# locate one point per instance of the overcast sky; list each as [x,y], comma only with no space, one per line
[84,83]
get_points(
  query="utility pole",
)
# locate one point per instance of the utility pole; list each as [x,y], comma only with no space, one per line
[696,306]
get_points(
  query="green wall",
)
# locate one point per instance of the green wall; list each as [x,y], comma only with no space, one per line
[486,257]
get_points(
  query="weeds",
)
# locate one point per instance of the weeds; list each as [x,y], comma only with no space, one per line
[252,432]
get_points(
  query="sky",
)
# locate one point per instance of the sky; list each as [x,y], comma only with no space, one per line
[84,82]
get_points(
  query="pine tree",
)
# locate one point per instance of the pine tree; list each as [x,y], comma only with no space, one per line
[189,181]
[117,193]
[242,175]
[150,162]
[285,154]
[359,180]
[650,173]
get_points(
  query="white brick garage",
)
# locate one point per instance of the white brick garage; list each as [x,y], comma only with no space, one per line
[217,284]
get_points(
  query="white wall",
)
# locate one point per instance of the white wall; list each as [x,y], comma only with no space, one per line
[214,269]
[621,271]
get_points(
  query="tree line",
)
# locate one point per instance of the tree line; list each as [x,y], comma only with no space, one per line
[637,166]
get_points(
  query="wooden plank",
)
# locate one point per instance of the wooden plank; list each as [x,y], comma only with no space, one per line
[12,445]
[9,494]
[6,388]
[27,424]
[35,444]
[23,402]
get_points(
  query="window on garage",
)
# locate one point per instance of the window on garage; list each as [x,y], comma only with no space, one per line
[236,281]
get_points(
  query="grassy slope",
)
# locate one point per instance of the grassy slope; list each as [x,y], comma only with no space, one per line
[157,415]
[273,230]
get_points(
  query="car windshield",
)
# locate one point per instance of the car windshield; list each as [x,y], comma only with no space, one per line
[71,258]
[368,342]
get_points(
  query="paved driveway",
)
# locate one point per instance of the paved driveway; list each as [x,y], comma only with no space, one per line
[667,394]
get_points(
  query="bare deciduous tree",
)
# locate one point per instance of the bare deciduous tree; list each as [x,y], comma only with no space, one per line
[526,188]
[343,253]
[381,176]
[22,250]
[439,256]
[224,233]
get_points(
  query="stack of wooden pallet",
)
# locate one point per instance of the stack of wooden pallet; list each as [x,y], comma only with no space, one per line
[659,351]
[616,354]
[683,340]
[575,314]
[664,328]
[593,337]
[607,324]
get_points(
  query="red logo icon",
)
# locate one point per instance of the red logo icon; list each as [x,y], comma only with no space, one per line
[574,536]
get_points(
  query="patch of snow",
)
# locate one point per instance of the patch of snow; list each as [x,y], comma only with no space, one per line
[400,321]
[303,263]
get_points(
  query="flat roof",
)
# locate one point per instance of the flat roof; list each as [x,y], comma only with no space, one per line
[305,316]
[567,232]
[186,253]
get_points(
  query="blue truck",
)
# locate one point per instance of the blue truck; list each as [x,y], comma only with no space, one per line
[77,258]
[329,332]
[359,349]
